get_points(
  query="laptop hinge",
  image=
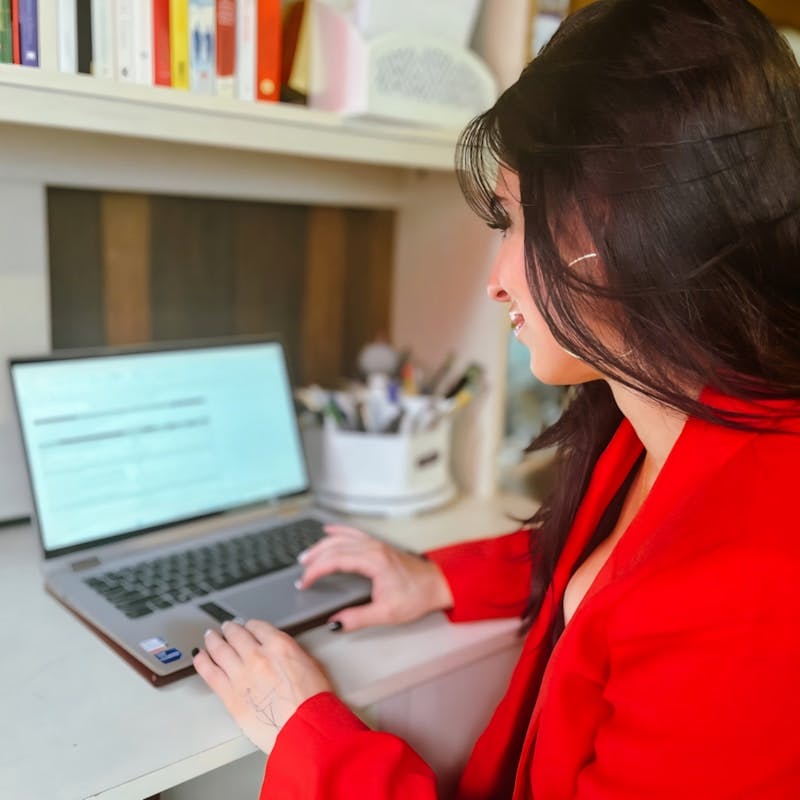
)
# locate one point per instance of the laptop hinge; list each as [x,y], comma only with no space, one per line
[86,563]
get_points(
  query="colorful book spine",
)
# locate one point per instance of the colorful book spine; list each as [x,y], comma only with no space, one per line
[48,35]
[28,33]
[268,50]
[67,22]
[104,37]
[15,31]
[162,60]
[202,46]
[226,47]
[124,63]
[6,44]
[179,43]
[143,41]
[246,50]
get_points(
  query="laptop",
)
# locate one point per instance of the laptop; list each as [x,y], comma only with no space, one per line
[171,493]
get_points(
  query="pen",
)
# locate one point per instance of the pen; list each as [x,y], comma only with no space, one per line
[472,374]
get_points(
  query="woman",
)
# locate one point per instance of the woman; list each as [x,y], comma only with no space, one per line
[645,172]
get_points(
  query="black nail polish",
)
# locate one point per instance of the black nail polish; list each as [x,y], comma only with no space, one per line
[195,651]
[334,626]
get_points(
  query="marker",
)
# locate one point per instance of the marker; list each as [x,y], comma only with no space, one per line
[409,379]
[471,375]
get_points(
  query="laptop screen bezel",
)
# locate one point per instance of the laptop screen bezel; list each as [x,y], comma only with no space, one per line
[157,347]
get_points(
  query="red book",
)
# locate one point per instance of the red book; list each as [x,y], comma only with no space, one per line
[15,31]
[268,50]
[226,46]
[162,72]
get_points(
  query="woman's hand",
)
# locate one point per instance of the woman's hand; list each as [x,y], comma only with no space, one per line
[261,675]
[404,586]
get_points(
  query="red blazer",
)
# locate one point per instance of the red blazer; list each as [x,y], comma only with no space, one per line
[678,675]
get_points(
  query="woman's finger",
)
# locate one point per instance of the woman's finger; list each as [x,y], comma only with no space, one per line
[262,631]
[350,560]
[337,529]
[239,638]
[215,678]
[323,546]
[223,655]
[355,617]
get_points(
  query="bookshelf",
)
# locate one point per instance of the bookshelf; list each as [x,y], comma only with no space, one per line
[81,103]
[79,132]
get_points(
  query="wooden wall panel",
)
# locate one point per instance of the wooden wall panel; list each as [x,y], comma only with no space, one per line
[322,337]
[125,221]
[76,270]
[780,12]
[132,268]
[367,296]
[269,262]
[192,268]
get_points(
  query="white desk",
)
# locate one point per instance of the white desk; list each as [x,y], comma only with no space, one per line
[77,722]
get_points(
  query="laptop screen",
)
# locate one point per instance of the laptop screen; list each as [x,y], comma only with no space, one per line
[125,442]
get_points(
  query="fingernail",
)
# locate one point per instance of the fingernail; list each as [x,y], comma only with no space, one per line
[335,625]
[208,630]
[298,584]
[238,621]
[302,556]
[195,651]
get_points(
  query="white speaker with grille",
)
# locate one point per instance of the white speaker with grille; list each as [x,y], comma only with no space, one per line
[402,76]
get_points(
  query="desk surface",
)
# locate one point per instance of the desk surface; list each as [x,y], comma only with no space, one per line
[78,722]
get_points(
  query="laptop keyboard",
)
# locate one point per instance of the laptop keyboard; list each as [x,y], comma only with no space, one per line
[140,589]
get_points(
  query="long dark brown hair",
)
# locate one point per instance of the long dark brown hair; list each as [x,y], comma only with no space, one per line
[669,134]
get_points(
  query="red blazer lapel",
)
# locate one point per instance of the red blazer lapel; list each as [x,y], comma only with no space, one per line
[611,470]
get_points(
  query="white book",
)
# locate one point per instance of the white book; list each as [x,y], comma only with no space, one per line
[143,41]
[246,49]
[48,36]
[68,35]
[126,53]
[104,39]
[202,46]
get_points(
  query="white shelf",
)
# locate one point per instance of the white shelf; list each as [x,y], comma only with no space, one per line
[53,100]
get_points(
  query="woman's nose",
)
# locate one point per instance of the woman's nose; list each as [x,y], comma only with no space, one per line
[494,288]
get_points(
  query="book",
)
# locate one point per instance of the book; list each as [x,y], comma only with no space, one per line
[67,23]
[245,83]
[162,58]
[179,43]
[15,32]
[202,46]
[226,47]
[83,39]
[6,45]
[143,42]
[28,33]
[48,35]
[104,38]
[125,66]
[268,50]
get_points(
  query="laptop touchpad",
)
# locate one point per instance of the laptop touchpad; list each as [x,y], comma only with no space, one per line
[285,605]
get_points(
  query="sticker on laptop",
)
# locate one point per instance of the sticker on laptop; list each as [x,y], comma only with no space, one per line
[160,649]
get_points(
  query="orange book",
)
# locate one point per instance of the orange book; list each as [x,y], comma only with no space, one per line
[162,70]
[268,50]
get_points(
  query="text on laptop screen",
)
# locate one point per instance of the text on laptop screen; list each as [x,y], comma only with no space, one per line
[120,443]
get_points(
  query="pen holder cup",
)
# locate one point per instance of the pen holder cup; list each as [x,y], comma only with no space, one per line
[384,474]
